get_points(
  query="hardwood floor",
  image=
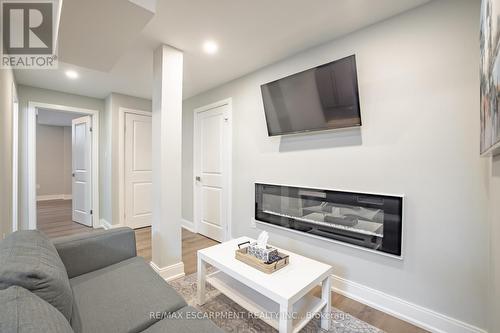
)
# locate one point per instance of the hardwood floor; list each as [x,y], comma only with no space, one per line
[54,218]
[143,242]
[191,243]
[372,316]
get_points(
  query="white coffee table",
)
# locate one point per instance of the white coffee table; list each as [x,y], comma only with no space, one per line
[283,299]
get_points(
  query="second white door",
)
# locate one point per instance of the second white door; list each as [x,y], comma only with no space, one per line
[212,171]
[81,136]
[138,172]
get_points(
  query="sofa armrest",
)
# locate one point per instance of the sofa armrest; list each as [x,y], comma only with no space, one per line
[88,252]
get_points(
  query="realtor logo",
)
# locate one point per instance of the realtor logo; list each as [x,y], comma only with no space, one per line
[28,34]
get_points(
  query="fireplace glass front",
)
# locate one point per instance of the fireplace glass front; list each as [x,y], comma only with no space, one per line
[367,220]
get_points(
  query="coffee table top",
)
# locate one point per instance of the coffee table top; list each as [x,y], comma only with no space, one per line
[285,285]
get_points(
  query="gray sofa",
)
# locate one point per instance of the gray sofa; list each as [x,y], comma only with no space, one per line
[91,282]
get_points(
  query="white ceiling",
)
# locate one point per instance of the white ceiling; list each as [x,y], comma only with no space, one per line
[99,44]
[55,117]
[250,34]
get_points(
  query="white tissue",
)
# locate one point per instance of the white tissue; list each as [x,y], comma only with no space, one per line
[262,240]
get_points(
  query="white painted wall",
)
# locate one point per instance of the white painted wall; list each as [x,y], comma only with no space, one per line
[419,88]
[68,167]
[494,293]
[52,158]
[105,162]
[109,166]
[6,84]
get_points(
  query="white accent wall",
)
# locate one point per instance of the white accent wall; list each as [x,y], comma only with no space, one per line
[68,160]
[53,161]
[6,85]
[494,293]
[419,89]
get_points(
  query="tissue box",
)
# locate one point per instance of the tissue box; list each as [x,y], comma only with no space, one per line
[260,253]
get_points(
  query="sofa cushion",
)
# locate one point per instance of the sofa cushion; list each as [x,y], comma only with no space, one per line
[186,320]
[22,311]
[28,259]
[121,298]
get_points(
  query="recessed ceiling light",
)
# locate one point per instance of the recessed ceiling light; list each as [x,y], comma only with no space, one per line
[72,74]
[210,47]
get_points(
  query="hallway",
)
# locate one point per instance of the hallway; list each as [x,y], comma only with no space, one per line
[54,219]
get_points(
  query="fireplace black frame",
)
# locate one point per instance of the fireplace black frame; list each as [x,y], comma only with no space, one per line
[384,236]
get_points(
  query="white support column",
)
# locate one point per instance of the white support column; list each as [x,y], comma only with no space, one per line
[166,153]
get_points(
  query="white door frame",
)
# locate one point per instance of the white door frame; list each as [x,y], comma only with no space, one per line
[121,158]
[15,159]
[31,158]
[228,163]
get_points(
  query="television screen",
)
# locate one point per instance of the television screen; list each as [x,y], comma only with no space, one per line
[321,98]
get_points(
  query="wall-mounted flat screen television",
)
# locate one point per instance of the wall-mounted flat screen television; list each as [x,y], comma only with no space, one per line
[320,98]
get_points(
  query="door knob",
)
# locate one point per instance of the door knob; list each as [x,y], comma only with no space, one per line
[198,178]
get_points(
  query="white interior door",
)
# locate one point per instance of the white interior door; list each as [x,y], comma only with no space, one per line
[212,163]
[81,136]
[138,170]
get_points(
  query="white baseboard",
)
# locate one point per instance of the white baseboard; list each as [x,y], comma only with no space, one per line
[106,225]
[171,272]
[188,225]
[53,197]
[417,315]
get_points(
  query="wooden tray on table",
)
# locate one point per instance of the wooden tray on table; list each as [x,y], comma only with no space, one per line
[241,254]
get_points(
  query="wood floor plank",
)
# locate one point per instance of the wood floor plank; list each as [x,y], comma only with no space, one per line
[54,219]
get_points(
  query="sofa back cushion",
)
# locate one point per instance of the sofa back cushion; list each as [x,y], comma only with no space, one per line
[24,312]
[28,259]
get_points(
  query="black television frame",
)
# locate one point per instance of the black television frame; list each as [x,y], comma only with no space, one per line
[319,129]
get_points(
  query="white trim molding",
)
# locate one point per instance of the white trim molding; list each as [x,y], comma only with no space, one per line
[415,314]
[53,197]
[106,225]
[171,272]
[15,158]
[188,225]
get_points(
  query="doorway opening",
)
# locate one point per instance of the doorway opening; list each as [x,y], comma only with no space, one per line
[62,167]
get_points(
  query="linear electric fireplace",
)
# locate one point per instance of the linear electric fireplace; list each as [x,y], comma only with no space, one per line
[370,221]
